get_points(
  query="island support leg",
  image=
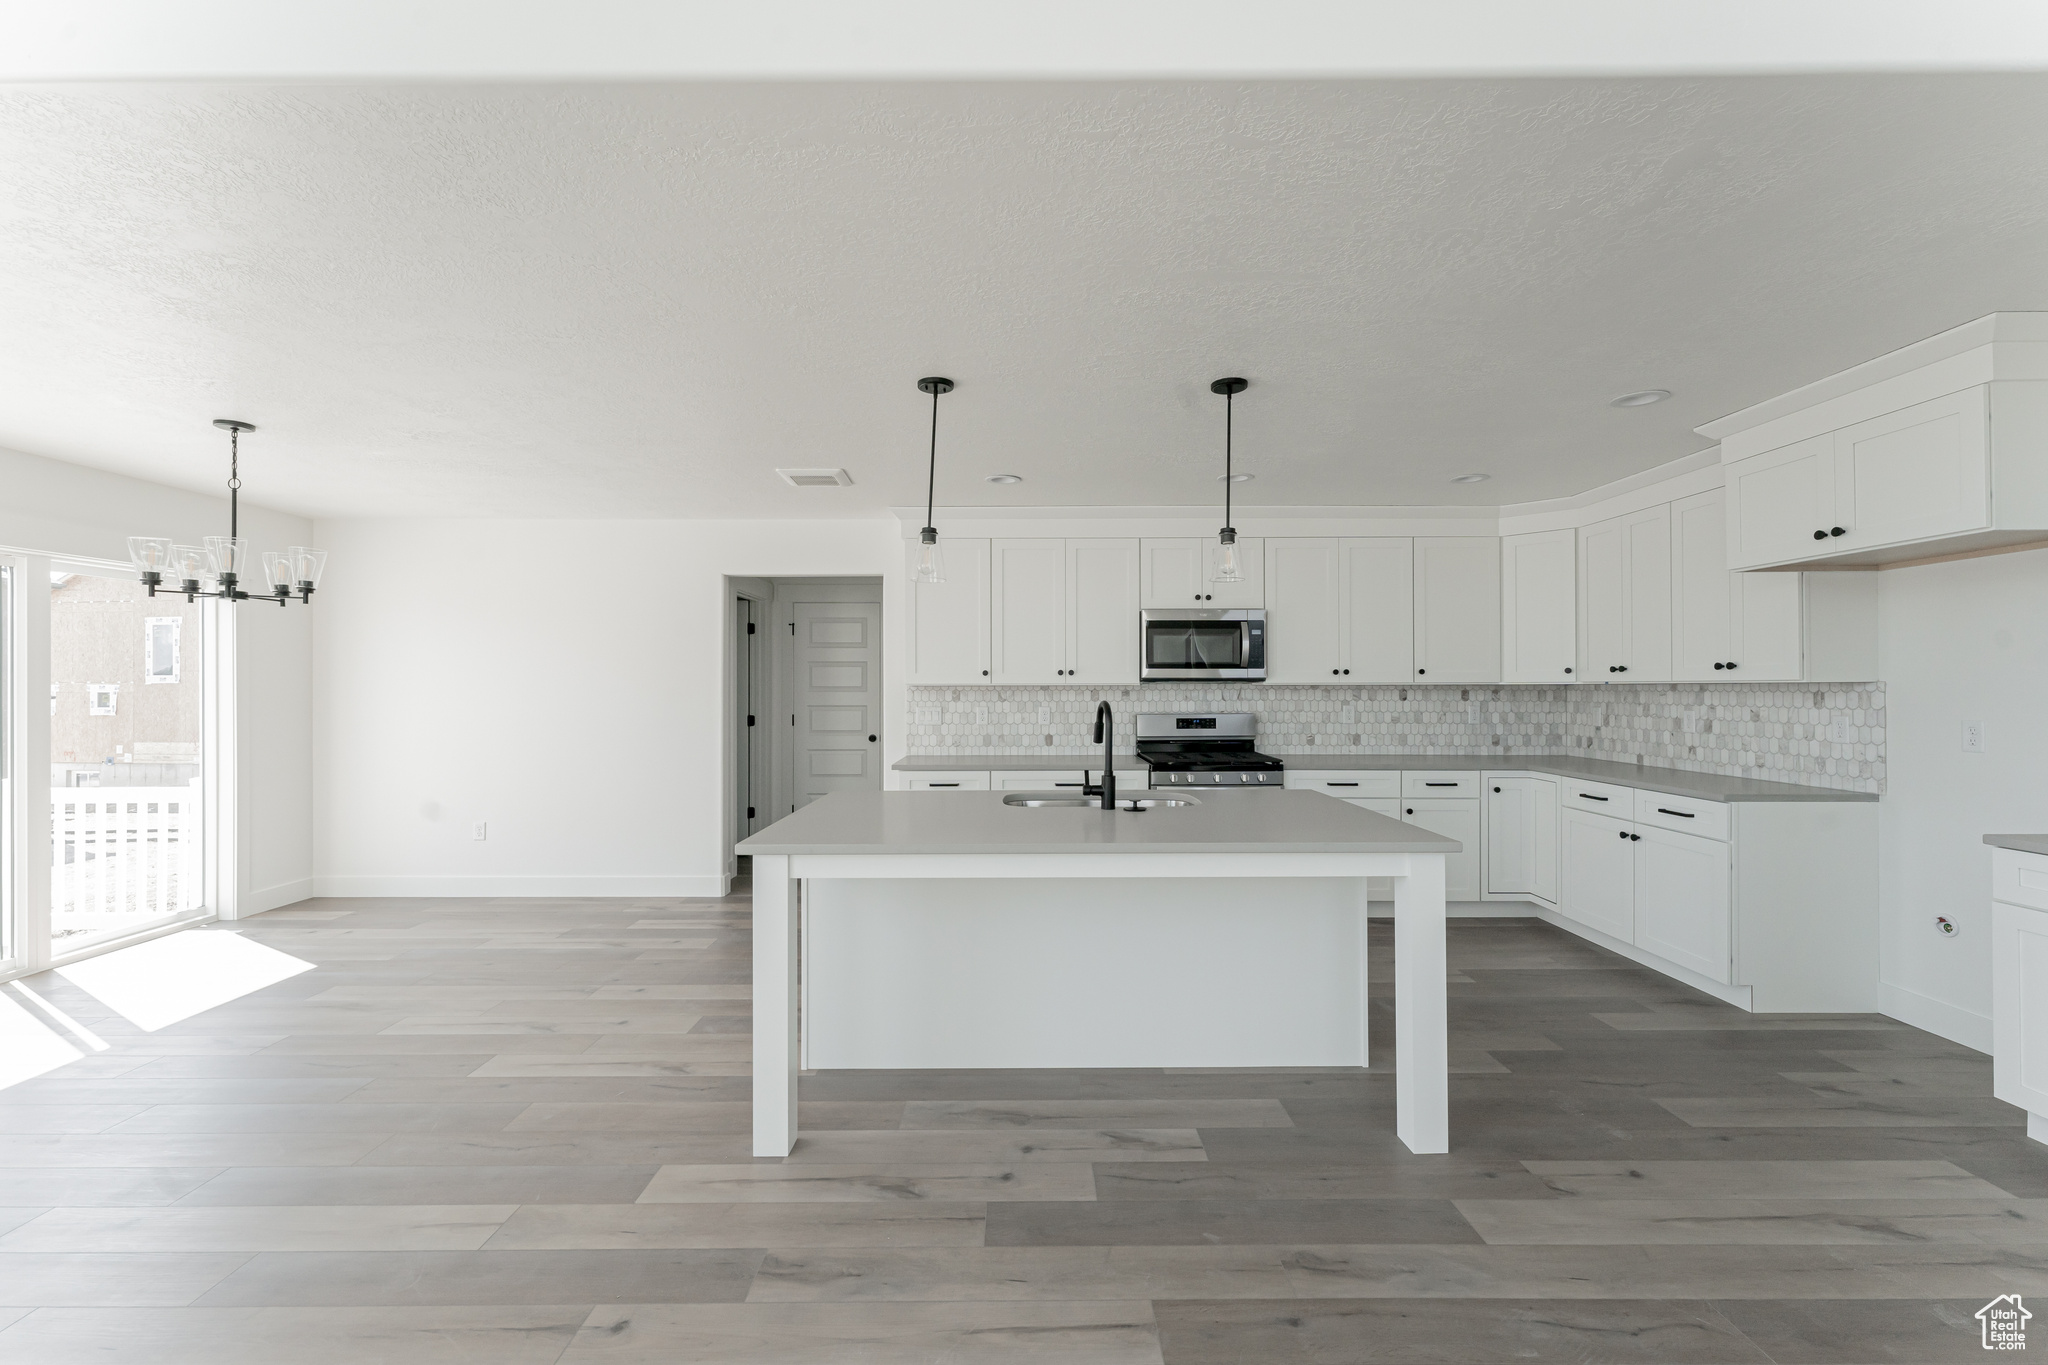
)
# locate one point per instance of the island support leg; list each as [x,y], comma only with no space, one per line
[1422,1092]
[775,1022]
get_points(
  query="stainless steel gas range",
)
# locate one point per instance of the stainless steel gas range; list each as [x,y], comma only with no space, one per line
[1207,749]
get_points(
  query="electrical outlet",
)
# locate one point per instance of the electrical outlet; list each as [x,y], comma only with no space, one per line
[482,830]
[1838,732]
[1973,736]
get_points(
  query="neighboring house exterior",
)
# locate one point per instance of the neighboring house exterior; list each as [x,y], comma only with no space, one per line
[124,685]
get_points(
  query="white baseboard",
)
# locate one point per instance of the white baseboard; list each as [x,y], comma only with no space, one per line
[1739,996]
[256,901]
[549,887]
[1938,1017]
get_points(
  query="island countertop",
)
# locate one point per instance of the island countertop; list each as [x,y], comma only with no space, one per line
[1671,781]
[979,822]
[2019,843]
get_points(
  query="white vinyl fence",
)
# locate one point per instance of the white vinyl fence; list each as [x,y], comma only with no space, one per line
[121,857]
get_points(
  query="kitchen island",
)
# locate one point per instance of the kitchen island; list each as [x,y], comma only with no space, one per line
[964,930]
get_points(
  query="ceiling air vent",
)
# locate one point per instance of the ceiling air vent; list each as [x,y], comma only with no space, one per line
[815,478]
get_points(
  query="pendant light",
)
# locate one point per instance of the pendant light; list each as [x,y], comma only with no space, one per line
[930,565]
[1228,570]
[223,559]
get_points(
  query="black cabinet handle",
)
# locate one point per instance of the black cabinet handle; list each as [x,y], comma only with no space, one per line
[1439,784]
[984,673]
[1837,531]
[1340,784]
[1637,837]
[1820,535]
[1333,672]
[1612,669]
[1590,797]
[1623,833]
[1681,814]
[1070,784]
[1496,788]
[1347,672]
[1719,667]
[1411,810]
[1621,668]
[1567,670]
[1420,671]
[942,784]
[1731,668]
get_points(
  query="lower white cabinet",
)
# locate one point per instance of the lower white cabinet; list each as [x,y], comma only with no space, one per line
[1599,876]
[2019,984]
[1020,780]
[1681,899]
[940,782]
[1454,817]
[1521,836]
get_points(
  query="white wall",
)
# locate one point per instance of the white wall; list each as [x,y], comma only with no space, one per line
[1960,641]
[563,681]
[50,507]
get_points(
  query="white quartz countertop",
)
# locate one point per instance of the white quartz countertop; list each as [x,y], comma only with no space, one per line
[1672,781]
[979,822]
[2020,843]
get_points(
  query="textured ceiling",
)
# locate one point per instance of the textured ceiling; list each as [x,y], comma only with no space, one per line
[639,300]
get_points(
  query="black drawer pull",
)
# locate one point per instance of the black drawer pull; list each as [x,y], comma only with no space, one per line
[1069,784]
[942,784]
[1681,814]
[1590,797]
[1340,784]
[1442,784]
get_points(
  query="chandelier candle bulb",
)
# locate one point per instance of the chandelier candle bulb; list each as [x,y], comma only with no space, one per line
[225,559]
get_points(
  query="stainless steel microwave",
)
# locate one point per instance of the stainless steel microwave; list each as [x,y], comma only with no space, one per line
[1194,644]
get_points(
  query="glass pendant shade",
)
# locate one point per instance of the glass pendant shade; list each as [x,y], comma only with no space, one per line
[192,563]
[1228,567]
[277,570]
[230,554]
[930,565]
[151,554]
[307,564]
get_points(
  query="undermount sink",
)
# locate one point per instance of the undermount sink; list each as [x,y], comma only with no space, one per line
[1033,799]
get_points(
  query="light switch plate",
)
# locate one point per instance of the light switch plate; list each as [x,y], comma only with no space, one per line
[1973,736]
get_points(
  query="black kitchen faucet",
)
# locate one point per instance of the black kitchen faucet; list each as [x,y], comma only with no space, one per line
[1105,735]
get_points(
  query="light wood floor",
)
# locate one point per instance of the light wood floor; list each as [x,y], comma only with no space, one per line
[515,1133]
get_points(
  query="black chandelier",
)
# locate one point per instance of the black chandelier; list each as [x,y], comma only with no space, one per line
[221,560]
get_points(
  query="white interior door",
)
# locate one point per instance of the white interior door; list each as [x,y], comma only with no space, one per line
[1682,907]
[1599,878]
[1027,611]
[1378,582]
[838,718]
[1304,635]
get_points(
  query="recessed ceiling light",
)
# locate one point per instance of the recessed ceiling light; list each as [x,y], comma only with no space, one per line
[1235,478]
[1006,478]
[1642,398]
[1472,478]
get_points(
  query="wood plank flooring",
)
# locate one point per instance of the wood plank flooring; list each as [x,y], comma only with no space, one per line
[516,1132]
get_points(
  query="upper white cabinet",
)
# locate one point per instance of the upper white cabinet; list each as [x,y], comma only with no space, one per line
[1181,572]
[948,634]
[1935,449]
[1539,604]
[1728,627]
[1102,612]
[1027,611]
[1625,598]
[1457,609]
[1340,610]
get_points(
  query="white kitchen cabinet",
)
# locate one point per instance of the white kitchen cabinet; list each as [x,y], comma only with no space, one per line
[1454,817]
[966,781]
[1304,610]
[1728,627]
[2019,984]
[1027,611]
[1598,878]
[1457,609]
[1914,474]
[1625,598]
[1181,572]
[1780,498]
[1377,576]
[1036,779]
[1539,605]
[1521,836]
[1172,572]
[947,639]
[1682,909]
[1369,785]
[1102,580]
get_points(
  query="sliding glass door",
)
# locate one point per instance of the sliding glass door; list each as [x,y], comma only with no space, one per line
[126,758]
[9,737]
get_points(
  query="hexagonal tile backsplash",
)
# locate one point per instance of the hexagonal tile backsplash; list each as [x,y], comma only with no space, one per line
[1780,731]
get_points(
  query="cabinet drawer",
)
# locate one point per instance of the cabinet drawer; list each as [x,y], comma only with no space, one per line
[1707,819]
[1434,784]
[2019,878]
[964,782]
[1602,798]
[1040,780]
[1350,786]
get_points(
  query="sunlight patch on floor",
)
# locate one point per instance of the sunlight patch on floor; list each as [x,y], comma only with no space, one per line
[175,977]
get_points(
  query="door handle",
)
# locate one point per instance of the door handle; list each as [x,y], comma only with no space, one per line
[871,739]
